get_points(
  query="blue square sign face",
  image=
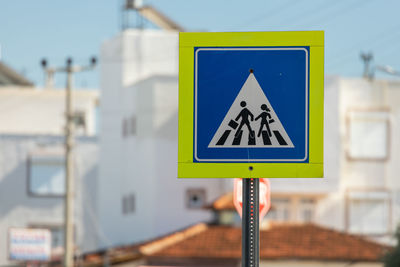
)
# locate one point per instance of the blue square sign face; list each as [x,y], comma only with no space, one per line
[251,104]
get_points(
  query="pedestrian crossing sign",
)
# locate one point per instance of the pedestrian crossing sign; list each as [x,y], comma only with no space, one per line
[251,105]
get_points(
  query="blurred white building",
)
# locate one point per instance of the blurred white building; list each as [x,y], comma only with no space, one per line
[361,157]
[359,193]
[140,196]
[369,192]
[32,165]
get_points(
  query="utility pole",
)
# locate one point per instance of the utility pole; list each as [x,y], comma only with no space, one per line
[69,183]
[69,145]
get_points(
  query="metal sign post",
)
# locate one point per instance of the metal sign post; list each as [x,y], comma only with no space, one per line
[250,223]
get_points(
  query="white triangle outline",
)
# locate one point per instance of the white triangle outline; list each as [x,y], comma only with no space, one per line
[252,93]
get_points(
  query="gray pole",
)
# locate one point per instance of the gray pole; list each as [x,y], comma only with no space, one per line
[250,223]
[69,178]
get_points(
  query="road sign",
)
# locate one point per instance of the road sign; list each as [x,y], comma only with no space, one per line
[251,104]
[264,196]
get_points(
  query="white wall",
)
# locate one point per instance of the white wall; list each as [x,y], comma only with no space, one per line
[372,175]
[360,94]
[20,209]
[42,111]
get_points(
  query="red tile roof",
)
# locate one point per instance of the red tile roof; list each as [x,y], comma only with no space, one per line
[283,241]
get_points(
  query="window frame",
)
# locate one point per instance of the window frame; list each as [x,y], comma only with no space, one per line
[309,206]
[388,200]
[279,207]
[202,191]
[129,126]
[30,164]
[50,226]
[128,204]
[348,134]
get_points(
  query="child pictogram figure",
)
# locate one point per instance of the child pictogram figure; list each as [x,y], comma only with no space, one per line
[265,116]
[244,114]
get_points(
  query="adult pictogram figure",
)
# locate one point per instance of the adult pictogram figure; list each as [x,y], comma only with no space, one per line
[265,116]
[244,114]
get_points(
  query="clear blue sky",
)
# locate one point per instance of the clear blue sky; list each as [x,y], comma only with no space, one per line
[31,30]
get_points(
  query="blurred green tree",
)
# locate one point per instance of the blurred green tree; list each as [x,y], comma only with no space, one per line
[392,258]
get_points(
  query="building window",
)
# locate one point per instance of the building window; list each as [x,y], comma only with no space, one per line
[129,126]
[280,209]
[195,198]
[128,204]
[46,175]
[124,128]
[368,212]
[368,135]
[132,126]
[306,210]
[57,236]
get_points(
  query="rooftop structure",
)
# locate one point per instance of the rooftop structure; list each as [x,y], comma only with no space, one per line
[9,77]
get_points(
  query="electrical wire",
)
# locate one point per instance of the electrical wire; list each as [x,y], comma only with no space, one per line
[269,14]
[317,10]
[338,13]
[372,42]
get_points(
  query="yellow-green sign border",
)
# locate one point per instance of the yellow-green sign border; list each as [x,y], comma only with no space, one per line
[187,168]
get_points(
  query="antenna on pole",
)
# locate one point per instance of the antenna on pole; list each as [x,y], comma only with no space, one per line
[367,58]
[129,7]
[146,13]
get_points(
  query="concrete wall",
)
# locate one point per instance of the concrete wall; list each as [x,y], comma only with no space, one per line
[42,111]
[20,209]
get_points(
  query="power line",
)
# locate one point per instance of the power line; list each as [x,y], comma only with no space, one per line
[269,14]
[316,10]
[390,50]
[313,11]
[342,11]
[372,41]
